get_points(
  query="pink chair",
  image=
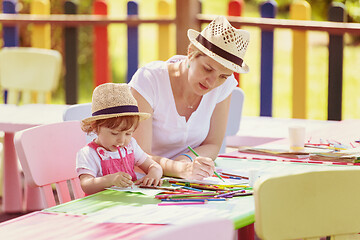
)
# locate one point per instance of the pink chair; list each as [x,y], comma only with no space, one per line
[47,155]
[207,229]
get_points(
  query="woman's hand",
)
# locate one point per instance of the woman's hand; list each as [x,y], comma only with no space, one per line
[201,168]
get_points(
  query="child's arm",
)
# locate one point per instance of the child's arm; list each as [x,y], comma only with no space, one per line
[153,173]
[91,184]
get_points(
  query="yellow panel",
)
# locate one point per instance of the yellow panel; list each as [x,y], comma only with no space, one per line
[164,31]
[299,10]
[41,33]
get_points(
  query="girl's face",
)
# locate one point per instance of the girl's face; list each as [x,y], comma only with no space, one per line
[206,74]
[110,139]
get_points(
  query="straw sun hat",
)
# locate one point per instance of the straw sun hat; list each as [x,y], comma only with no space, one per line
[114,100]
[223,43]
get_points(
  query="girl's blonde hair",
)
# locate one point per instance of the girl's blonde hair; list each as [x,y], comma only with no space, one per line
[123,122]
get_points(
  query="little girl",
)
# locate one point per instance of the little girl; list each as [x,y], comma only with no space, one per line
[109,160]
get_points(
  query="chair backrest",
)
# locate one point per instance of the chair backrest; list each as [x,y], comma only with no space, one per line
[235,112]
[47,154]
[308,205]
[79,112]
[207,229]
[29,70]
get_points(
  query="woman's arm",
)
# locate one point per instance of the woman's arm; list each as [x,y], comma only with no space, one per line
[143,136]
[143,133]
[199,169]
[210,147]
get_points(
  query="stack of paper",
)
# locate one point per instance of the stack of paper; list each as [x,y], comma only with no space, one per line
[351,155]
[279,151]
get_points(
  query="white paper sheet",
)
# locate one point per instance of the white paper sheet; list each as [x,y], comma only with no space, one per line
[136,188]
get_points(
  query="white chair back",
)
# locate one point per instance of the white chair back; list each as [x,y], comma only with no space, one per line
[234,119]
[79,112]
[25,71]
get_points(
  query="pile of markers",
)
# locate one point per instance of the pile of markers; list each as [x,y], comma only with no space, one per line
[186,193]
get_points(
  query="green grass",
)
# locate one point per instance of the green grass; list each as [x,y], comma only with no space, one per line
[282,96]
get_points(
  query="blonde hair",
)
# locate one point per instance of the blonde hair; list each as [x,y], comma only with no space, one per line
[122,122]
[194,52]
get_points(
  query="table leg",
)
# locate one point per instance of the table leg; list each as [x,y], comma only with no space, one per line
[12,197]
[246,232]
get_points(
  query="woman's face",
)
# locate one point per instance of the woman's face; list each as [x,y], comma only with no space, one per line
[206,74]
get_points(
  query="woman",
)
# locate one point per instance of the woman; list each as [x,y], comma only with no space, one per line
[189,98]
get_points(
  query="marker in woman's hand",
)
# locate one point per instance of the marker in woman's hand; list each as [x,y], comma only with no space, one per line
[192,150]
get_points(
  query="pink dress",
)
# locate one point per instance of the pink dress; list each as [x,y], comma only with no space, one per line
[109,165]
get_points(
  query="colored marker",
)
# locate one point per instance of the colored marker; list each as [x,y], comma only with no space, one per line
[192,150]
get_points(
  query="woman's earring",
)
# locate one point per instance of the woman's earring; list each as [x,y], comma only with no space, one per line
[188,66]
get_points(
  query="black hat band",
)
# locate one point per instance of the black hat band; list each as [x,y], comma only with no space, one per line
[222,53]
[117,110]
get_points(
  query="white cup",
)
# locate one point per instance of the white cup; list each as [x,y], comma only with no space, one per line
[253,176]
[296,138]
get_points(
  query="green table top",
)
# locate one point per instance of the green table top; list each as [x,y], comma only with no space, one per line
[243,216]
[240,209]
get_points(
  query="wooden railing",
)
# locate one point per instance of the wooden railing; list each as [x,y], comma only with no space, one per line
[77,20]
[188,16]
[271,24]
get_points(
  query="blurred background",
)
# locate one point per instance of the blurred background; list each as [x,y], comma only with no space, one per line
[317,63]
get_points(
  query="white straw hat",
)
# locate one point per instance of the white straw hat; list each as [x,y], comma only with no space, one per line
[113,100]
[223,43]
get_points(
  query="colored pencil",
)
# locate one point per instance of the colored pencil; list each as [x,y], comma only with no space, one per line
[192,150]
[229,177]
[180,203]
[191,188]
[242,194]
[159,188]
[184,200]
[185,195]
[234,175]
[230,194]
[186,187]
[193,199]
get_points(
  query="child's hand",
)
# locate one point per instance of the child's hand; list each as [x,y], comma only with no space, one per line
[149,181]
[153,177]
[120,179]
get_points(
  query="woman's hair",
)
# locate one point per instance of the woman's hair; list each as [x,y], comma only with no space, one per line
[123,122]
[194,52]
